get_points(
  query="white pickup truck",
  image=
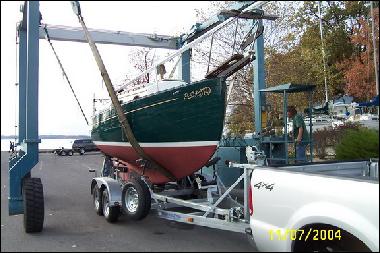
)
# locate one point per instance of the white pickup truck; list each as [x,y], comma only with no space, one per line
[320,207]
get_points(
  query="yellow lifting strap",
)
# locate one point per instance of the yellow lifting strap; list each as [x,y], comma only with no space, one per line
[119,110]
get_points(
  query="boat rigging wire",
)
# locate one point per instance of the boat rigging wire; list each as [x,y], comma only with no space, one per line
[209,54]
[257,4]
[236,29]
[64,72]
[174,68]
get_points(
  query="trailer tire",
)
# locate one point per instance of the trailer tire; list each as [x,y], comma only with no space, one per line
[136,199]
[111,213]
[33,201]
[97,200]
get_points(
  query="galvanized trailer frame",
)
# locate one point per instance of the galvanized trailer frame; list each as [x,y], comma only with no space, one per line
[204,211]
[235,218]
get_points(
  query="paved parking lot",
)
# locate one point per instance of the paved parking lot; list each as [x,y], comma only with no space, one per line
[72,225]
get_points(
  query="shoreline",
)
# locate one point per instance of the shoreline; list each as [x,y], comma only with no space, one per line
[39,151]
[48,151]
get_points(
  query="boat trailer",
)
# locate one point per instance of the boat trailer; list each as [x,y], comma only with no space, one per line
[197,201]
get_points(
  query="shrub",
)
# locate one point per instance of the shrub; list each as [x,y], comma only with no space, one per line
[321,137]
[328,136]
[358,144]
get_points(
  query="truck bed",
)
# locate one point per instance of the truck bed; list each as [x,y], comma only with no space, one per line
[356,169]
[340,195]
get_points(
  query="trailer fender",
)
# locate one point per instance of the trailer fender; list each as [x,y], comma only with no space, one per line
[112,186]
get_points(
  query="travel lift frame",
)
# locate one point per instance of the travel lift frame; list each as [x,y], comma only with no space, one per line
[26,193]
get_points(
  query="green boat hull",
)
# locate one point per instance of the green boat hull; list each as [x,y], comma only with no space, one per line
[180,128]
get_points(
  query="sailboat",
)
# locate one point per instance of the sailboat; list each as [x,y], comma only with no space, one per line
[179,127]
[165,134]
[177,124]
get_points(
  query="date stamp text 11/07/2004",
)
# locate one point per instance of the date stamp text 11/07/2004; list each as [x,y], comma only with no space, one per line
[300,234]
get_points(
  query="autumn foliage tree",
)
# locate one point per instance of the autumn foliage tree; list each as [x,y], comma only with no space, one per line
[359,68]
[293,54]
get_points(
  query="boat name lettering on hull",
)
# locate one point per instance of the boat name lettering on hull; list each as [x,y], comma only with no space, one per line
[205,91]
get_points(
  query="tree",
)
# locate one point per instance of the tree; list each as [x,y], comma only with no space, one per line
[359,68]
[300,60]
[142,60]
[225,43]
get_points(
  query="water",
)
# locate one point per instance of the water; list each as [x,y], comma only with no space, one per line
[45,143]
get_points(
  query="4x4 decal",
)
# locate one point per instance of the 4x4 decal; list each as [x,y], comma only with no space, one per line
[264,185]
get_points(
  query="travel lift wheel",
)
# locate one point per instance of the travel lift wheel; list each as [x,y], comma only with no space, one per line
[136,199]
[33,201]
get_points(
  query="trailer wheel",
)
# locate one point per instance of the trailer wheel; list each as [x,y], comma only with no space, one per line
[136,199]
[111,213]
[96,198]
[33,201]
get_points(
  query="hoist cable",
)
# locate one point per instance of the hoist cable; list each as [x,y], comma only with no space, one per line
[64,72]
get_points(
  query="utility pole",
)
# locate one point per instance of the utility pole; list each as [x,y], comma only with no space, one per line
[375,53]
[323,50]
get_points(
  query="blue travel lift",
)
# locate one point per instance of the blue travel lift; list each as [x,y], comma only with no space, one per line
[25,192]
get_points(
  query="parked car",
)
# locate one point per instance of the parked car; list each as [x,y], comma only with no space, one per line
[84,145]
[63,152]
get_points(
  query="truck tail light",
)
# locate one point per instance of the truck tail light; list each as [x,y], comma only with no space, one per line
[250,200]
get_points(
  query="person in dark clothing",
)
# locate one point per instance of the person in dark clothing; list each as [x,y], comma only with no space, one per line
[11,147]
[300,134]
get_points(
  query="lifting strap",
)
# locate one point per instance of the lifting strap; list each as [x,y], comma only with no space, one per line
[64,72]
[119,110]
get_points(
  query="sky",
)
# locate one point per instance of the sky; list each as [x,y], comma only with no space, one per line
[58,109]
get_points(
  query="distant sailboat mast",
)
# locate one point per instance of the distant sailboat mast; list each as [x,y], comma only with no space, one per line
[323,50]
[375,53]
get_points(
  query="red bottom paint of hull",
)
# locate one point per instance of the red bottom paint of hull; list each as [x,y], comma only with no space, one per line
[180,161]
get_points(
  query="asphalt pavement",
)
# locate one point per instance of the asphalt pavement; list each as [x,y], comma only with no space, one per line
[71,224]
